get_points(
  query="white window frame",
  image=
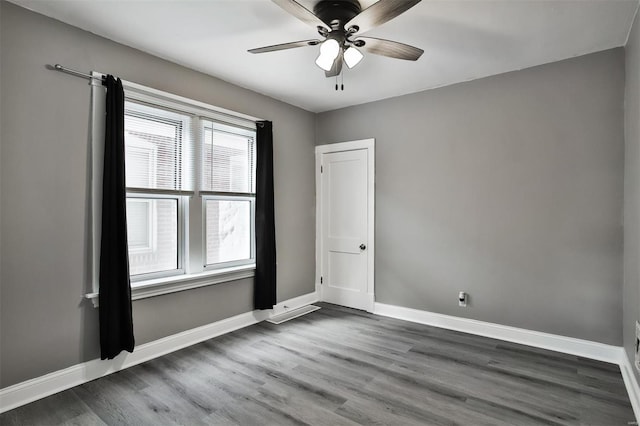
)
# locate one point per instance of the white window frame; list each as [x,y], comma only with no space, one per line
[160,111]
[182,213]
[221,195]
[192,255]
[252,218]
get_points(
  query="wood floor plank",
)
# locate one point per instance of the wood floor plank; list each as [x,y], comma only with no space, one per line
[114,405]
[338,366]
[522,401]
[306,408]
[56,409]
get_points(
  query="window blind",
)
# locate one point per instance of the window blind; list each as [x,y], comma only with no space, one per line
[158,149]
[228,159]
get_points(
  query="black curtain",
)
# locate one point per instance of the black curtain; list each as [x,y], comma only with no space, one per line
[116,321]
[264,294]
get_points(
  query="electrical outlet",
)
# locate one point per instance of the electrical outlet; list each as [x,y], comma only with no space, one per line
[637,347]
[462,299]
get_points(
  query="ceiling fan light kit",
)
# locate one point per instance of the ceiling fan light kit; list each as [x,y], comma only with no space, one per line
[329,51]
[352,57]
[341,23]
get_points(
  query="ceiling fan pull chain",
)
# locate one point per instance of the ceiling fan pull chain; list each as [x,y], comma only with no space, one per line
[342,81]
[336,82]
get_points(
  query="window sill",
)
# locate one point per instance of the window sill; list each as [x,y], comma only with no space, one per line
[167,285]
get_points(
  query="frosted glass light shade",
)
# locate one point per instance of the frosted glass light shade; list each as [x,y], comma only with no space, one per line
[352,57]
[329,51]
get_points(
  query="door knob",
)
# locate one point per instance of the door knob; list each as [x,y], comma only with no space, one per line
[362,247]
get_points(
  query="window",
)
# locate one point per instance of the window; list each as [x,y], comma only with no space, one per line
[157,172]
[190,177]
[228,185]
[182,222]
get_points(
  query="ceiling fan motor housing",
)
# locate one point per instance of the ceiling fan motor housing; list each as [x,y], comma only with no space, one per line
[336,13]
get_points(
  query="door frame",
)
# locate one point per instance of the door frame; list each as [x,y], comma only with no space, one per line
[369,145]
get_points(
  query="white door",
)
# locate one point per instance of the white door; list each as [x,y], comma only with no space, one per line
[345,208]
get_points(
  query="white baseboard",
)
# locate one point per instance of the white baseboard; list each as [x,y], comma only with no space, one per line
[49,384]
[554,342]
[630,381]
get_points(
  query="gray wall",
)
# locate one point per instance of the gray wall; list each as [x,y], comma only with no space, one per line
[508,187]
[45,325]
[631,291]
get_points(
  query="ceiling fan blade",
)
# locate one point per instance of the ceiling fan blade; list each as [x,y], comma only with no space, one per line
[392,49]
[379,13]
[336,69]
[302,13]
[284,46]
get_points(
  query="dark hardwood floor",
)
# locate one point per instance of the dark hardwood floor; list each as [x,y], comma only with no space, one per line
[338,366]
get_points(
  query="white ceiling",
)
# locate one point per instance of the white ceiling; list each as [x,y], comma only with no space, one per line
[462,40]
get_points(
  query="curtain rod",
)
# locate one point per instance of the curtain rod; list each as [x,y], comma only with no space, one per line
[60,68]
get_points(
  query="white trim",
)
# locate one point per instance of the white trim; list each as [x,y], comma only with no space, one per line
[175,283]
[554,342]
[370,146]
[318,225]
[631,383]
[146,94]
[31,390]
[96,146]
[346,146]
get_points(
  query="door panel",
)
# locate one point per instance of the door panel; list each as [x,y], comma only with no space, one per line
[346,271]
[344,228]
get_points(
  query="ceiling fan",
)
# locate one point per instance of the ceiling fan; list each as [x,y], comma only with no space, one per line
[340,23]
